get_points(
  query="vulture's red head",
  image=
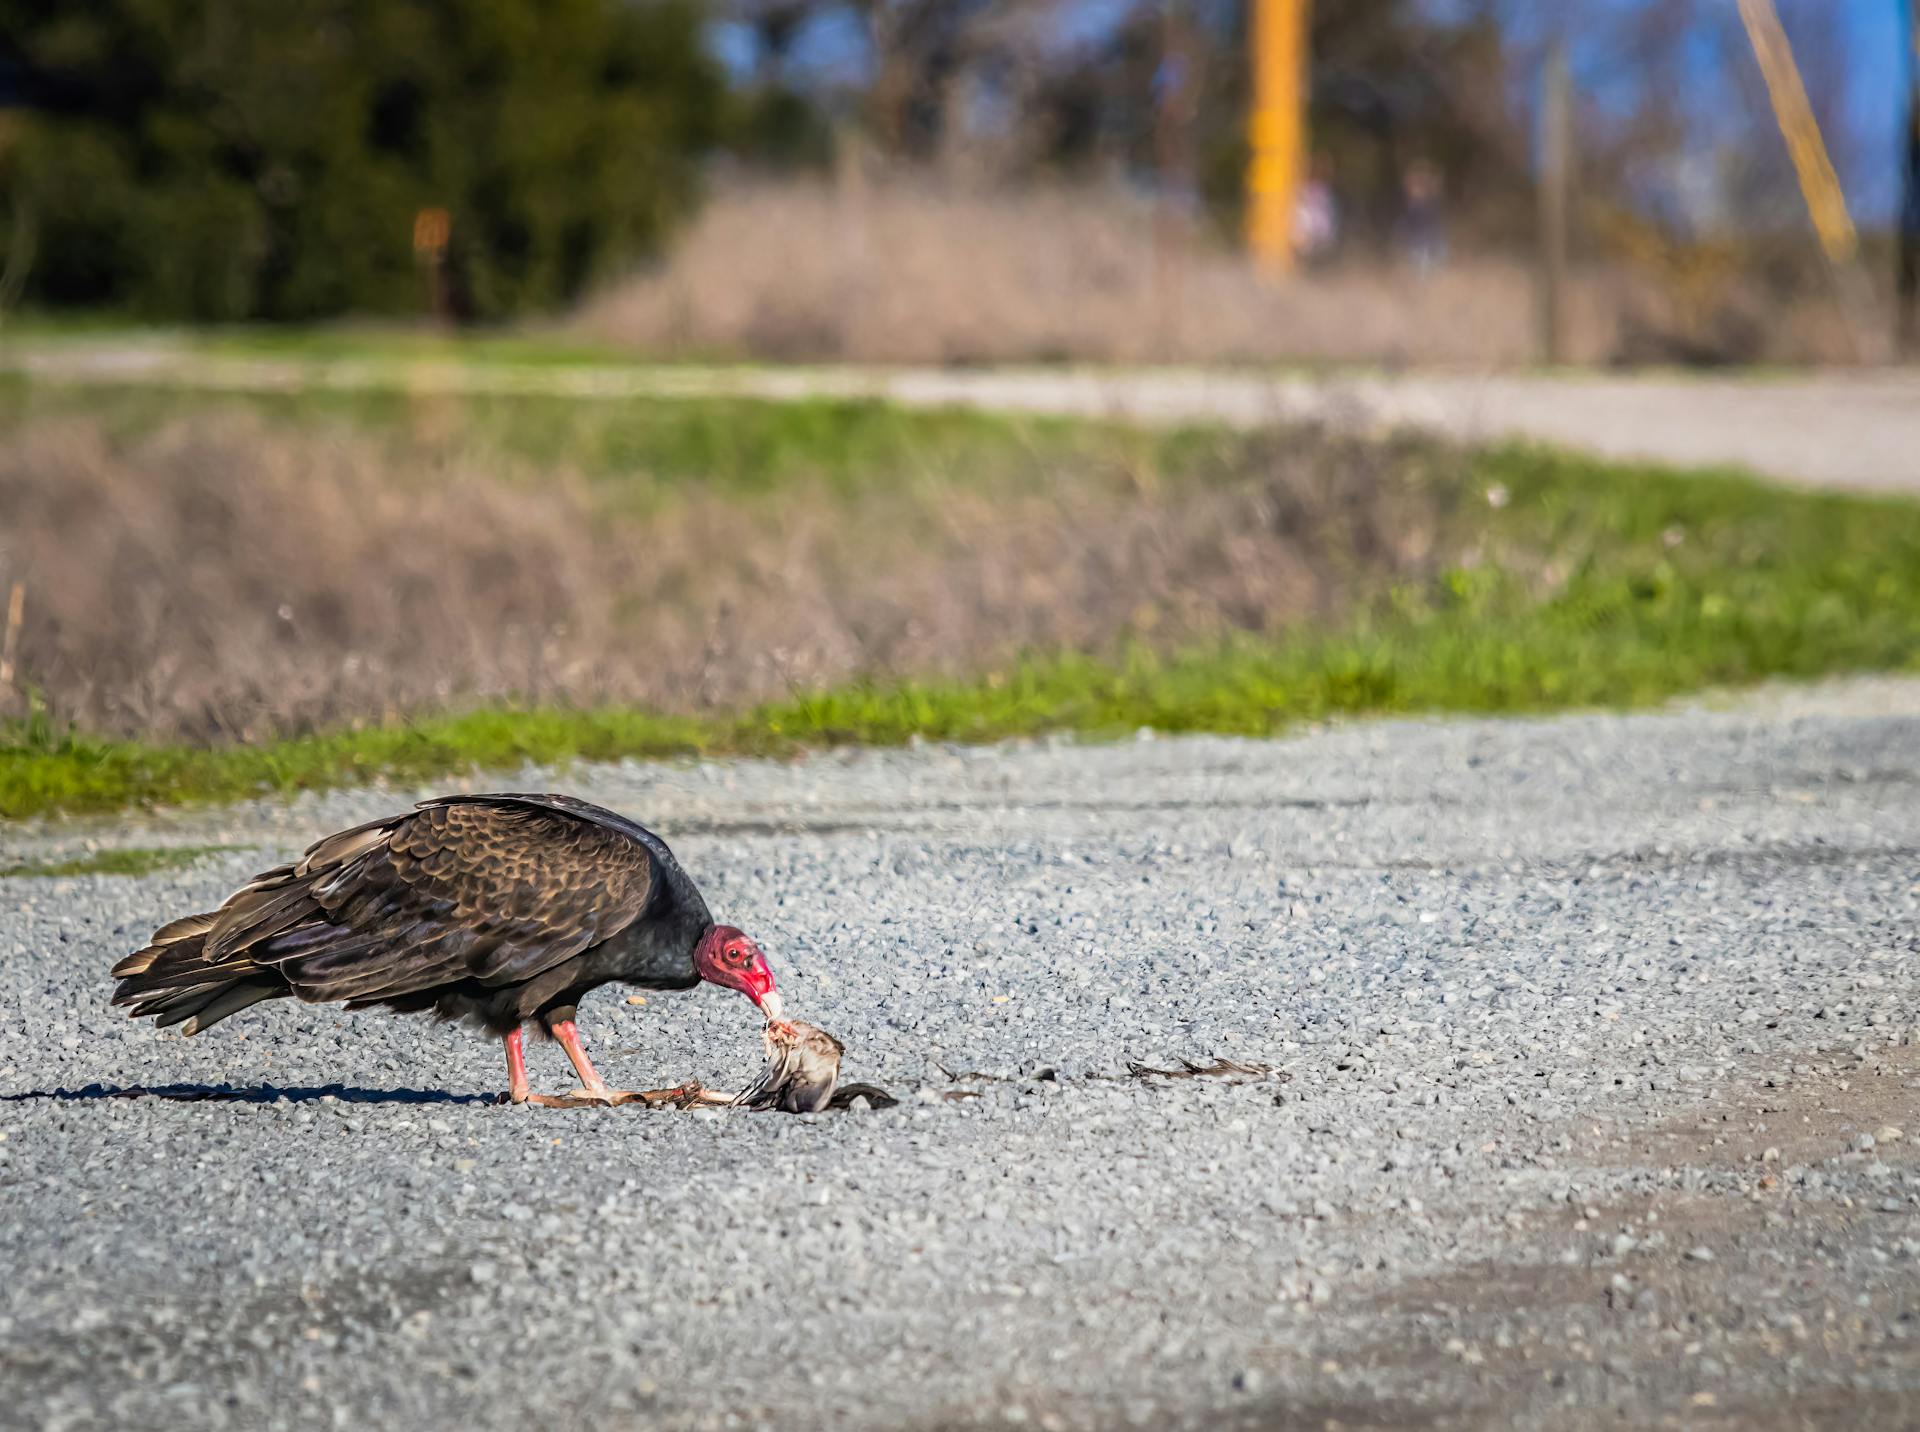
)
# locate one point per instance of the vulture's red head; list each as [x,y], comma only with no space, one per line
[725,956]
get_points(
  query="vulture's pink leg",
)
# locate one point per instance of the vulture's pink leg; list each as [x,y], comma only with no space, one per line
[569,1036]
[518,1092]
[516,1068]
[593,1087]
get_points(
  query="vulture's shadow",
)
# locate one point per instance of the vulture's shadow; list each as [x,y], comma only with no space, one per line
[252,1094]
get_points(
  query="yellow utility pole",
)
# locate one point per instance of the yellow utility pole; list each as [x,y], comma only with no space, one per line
[1276,129]
[1818,183]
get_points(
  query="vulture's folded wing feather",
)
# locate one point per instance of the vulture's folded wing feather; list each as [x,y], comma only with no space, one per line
[492,892]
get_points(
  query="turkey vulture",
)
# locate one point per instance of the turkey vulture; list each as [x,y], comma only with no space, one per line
[495,909]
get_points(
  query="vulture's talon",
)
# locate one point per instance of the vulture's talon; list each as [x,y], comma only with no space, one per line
[603,1095]
[563,1101]
[681,1096]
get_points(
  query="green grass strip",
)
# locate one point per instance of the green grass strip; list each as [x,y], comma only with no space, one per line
[127,860]
[1596,586]
[635,448]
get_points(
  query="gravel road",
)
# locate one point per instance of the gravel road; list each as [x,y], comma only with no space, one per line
[1576,1056]
[1778,424]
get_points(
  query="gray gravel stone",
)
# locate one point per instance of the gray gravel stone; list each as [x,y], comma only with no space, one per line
[367,1239]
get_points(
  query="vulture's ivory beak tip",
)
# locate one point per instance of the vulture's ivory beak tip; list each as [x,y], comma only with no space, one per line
[772,1008]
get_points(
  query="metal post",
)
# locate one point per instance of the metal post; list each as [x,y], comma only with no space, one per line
[1907,242]
[1173,145]
[1556,176]
[1276,129]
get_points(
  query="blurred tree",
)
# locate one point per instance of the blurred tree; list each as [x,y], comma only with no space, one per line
[1042,85]
[772,122]
[1393,81]
[919,48]
[227,159]
[780,129]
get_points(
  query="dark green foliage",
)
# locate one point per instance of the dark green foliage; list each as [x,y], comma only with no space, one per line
[779,129]
[225,159]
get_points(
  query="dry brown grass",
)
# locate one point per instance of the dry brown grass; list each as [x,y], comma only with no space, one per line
[909,271]
[905,270]
[224,577]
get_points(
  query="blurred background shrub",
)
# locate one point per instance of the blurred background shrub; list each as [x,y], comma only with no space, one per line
[243,159]
[958,180]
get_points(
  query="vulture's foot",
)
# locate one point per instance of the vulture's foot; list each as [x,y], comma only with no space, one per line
[681,1096]
[684,1096]
[599,1094]
[600,1097]
[561,1101]
[652,1098]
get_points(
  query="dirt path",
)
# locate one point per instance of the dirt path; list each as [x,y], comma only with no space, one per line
[1854,430]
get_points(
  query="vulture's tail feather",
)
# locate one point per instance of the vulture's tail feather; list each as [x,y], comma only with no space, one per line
[198,970]
[173,980]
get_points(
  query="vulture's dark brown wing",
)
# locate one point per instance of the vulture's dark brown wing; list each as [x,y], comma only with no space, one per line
[664,863]
[468,889]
